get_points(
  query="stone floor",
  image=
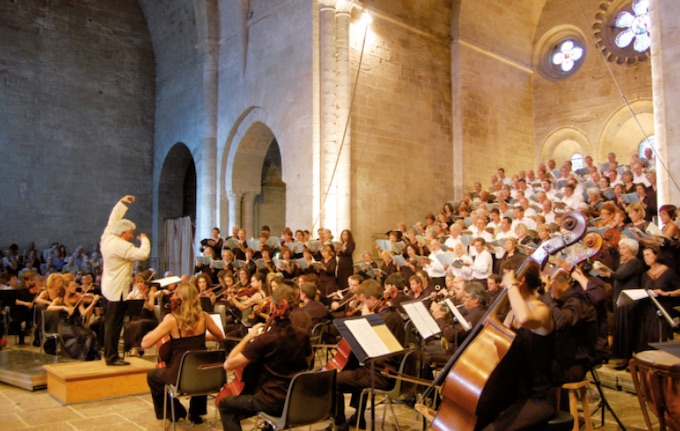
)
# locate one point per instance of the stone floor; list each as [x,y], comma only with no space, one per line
[24,410]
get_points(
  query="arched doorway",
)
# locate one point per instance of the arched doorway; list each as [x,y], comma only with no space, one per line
[270,204]
[253,181]
[176,198]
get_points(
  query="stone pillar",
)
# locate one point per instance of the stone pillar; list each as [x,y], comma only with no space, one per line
[206,204]
[666,88]
[249,213]
[234,209]
[342,215]
[327,104]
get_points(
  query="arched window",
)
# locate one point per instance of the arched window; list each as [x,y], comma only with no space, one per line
[646,143]
[577,161]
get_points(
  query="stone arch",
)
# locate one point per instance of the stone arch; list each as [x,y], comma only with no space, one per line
[562,143]
[623,132]
[176,190]
[248,145]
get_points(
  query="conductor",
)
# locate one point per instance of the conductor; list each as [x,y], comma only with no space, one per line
[119,255]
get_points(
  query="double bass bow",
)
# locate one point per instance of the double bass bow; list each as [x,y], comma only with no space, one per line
[472,377]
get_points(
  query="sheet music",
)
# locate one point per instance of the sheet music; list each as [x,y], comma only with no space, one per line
[629,296]
[218,321]
[464,323]
[162,282]
[421,318]
[368,339]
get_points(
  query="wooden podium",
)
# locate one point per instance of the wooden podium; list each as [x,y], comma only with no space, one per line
[77,382]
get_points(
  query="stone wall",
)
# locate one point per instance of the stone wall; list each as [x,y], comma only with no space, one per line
[76,119]
[401,125]
[589,100]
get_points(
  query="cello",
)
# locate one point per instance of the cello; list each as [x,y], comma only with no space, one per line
[474,376]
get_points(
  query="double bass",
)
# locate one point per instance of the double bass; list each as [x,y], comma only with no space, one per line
[476,376]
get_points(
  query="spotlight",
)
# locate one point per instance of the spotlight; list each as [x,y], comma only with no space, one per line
[366,18]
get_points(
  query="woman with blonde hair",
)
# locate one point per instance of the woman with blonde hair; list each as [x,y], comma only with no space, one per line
[185,326]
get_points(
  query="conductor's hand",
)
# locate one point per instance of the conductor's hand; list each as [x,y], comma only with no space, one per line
[142,235]
[127,199]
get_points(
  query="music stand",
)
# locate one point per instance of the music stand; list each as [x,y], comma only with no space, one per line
[206,304]
[662,314]
[603,404]
[370,339]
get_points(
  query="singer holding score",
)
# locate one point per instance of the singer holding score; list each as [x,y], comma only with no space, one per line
[120,255]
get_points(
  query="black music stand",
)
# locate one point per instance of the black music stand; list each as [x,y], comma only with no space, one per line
[206,304]
[363,339]
[603,404]
[662,314]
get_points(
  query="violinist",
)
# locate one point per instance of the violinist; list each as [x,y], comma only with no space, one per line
[146,321]
[254,295]
[394,291]
[79,342]
[203,284]
[186,327]
[535,344]
[310,305]
[281,350]
[353,381]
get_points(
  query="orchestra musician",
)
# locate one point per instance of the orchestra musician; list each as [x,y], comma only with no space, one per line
[535,344]
[394,291]
[79,342]
[22,309]
[475,305]
[353,381]
[146,321]
[280,351]
[316,310]
[348,302]
[185,326]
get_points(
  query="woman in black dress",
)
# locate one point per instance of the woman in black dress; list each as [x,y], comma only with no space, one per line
[185,327]
[345,260]
[627,276]
[662,280]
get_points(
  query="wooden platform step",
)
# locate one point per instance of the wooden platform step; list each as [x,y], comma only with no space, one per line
[88,381]
[24,368]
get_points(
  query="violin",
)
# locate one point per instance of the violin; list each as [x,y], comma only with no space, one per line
[475,375]
[266,304]
[247,291]
[245,379]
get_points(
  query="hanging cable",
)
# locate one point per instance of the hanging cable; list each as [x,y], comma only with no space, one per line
[623,96]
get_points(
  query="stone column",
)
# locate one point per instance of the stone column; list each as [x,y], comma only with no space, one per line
[249,213]
[234,209]
[666,89]
[206,205]
[340,219]
[327,105]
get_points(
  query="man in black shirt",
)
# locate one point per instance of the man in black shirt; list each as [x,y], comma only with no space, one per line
[278,354]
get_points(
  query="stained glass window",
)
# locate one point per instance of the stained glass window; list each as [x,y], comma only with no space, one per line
[566,55]
[635,27]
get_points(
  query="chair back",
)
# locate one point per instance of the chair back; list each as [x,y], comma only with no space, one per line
[201,372]
[50,322]
[310,399]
